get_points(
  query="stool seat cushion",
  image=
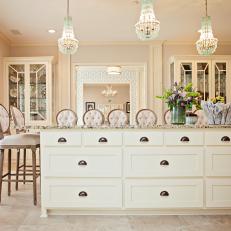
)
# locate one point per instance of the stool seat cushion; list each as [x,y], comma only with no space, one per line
[20,140]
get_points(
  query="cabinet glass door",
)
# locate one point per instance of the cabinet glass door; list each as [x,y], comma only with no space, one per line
[38,92]
[220,79]
[203,79]
[16,78]
[186,73]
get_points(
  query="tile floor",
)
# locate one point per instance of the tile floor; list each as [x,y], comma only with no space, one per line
[17,213]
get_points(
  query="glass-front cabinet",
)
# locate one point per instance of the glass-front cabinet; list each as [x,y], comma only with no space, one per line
[210,75]
[29,88]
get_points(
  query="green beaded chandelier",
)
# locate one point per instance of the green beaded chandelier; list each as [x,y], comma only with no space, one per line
[68,44]
[148,27]
[207,44]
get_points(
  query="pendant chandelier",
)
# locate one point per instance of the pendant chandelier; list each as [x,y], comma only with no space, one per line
[68,44]
[148,26]
[109,92]
[207,44]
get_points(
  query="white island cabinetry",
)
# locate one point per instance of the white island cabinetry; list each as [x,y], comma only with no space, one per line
[135,171]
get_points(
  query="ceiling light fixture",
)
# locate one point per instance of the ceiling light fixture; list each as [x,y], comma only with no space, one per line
[116,70]
[51,31]
[68,44]
[148,26]
[108,92]
[207,44]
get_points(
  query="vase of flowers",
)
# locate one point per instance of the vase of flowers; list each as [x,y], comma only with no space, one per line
[180,99]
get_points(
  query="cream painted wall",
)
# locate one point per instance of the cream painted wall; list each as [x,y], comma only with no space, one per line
[156,55]
[4,51]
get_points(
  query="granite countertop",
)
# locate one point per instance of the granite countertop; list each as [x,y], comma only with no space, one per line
[166,126]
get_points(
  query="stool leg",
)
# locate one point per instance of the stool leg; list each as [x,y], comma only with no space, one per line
[34,175]
[17,169]
[9,172]
[1,170]
[24,166]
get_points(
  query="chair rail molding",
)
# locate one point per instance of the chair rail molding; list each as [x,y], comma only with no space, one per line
[134,75]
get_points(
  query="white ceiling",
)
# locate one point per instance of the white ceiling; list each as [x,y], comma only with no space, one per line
[109,20]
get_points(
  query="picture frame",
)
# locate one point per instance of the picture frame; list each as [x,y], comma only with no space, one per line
[128,107]
[89,106]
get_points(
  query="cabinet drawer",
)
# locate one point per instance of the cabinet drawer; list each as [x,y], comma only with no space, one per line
[218,161]
[158,162]
[61,138]
[87,162]
[143,138]
[163,193]
[218,138]
[102,139]
[71,193]
[184,138]
[218,192]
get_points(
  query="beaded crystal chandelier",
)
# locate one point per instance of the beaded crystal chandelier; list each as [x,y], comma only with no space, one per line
[148,26]
[207,44]
[109,92]
[68,44]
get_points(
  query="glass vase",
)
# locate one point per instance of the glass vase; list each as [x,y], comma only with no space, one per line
[178,115]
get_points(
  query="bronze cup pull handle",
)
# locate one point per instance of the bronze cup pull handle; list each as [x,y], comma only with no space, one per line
[164,194]
[103,140]
[82,163]
[82,194]
[62,140]
[225,139]
[184,139]
[144,139]
[164,163]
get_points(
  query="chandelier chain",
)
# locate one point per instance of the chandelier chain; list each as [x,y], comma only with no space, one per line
[67,8]
[206,8]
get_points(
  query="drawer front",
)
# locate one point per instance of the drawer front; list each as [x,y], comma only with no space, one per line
[218,161]
[61,138]
[143,138]
[164,193]
[87,162]
[158,162]
[184,138]
[83,194]
[218,193]
[218,138]
[102,139]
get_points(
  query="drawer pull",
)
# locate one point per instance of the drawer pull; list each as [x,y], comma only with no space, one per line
[103,140]
[144,139]
[164,194]
[62,140]
[82,163]
[184,139]
[83,194]
[225,139]
[164,163]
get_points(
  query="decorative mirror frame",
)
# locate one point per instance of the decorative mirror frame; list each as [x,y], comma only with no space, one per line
[135,76]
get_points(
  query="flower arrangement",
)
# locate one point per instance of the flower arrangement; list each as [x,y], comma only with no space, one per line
[184,96]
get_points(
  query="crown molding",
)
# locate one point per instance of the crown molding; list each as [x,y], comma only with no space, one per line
[5,39]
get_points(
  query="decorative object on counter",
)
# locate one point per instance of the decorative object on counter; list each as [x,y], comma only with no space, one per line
[207,44]
[201,118]
[90,106]
[146,118]
[127,107]
[93,118]
[217,112]
[117,118]
[191,118]
[179,99]
[68,44]
[148,27]
[66,118]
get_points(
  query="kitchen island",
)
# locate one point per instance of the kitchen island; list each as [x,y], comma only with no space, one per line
[162,170]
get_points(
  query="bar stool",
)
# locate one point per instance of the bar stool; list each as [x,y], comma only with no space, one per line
[18,141]
[117,118]
[19,122]
[146,118]
[93,118]
[66,118]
